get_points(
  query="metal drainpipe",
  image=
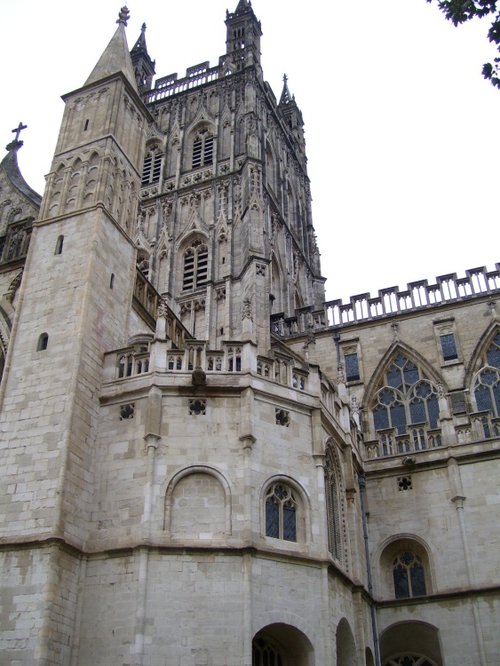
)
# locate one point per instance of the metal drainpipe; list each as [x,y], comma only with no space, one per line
[362,496]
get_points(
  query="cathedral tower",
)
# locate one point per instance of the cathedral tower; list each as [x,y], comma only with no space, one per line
[73,305]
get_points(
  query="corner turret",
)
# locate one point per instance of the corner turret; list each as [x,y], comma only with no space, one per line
[292,114]
[144,67]
[243,35]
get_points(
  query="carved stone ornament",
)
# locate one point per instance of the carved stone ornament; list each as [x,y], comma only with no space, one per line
[13,287]
[246,309]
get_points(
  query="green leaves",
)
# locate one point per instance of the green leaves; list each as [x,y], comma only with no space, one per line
[460,11]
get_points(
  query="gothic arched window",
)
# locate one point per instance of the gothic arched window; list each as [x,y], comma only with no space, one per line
[408,575]
[195,271]
[487,382]
[405,409]
[281,512]
[333,504]
[152,167]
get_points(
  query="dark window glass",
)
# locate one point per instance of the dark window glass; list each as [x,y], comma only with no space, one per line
[398,417]
[381,418]
[449,347]
[433,407]
[417,411]
[483,398]
[410,374]
[394,377]
[401,587]
[493,353]
[272,518]
[351,367]
[417,580]
[289,523]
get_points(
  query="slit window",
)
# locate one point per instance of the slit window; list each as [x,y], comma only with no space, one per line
[59,245]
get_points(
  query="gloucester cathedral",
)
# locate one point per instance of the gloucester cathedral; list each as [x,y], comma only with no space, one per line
[204,463]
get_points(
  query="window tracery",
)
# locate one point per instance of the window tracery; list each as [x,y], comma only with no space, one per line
[265,653]
[281,512]
[408,575]
[406,409]
[487,381]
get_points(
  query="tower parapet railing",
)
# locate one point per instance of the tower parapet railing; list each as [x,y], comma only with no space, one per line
[418,295]
[166,86]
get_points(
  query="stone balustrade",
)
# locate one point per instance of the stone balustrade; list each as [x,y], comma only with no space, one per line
[390,301]
[167,86]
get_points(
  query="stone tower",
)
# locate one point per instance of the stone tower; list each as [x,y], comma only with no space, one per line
[205,464]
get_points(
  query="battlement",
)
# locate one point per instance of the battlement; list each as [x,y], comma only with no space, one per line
[197,75]
[419,295]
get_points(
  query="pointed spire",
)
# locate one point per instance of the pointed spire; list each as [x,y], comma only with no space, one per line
[285,98]
[144,67]
[243,5]
[140,45]
[115,57]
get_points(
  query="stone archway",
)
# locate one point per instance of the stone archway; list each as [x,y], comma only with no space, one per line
[346,647]
[281,644]
[410,644]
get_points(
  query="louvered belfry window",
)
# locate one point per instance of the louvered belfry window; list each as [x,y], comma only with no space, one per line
[195,266]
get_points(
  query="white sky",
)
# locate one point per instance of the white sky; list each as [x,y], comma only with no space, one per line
[401,128]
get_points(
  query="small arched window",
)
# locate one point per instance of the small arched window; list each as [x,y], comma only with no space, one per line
[405,569]
[195,270]
[281,512]
[59,245]
[152,167]
[408,575]
[43,342]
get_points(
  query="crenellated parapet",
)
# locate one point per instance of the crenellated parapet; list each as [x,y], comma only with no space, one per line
[390,301]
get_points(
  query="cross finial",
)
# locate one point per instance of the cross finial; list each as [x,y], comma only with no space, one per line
[18,130]
[16,143]
[285,79]
[123,15]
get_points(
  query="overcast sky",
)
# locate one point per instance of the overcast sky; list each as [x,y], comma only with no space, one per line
[402,131]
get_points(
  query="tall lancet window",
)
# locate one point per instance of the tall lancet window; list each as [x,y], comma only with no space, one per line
[195,273]
[152,167]
[333,504]
[203,149]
